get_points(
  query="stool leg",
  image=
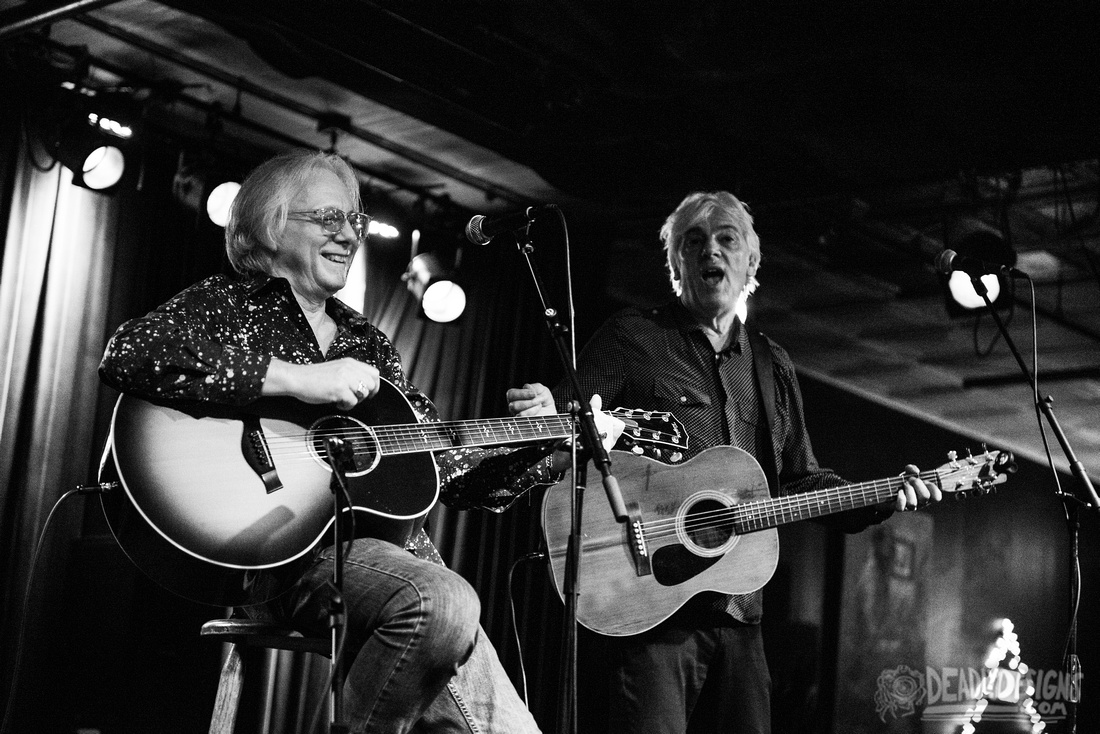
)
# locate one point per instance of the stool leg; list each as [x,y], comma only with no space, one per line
[229,692]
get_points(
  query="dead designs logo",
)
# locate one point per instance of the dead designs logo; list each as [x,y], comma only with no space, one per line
[898,692]
[1031,699]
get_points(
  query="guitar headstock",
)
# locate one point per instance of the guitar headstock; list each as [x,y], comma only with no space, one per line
[974,474]
[656,434]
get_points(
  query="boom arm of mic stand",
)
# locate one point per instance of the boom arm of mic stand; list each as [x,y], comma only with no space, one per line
[1076,468]
[586,417]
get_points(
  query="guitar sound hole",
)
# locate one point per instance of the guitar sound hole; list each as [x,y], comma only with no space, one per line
[355,435]
[708,525]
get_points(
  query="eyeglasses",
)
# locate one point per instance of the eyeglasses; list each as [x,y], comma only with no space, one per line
[332,219]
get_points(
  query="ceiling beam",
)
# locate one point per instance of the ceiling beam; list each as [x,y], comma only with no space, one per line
[30,16]
[492,190]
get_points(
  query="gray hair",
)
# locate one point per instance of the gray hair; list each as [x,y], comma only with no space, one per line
[258,215]
[696,208]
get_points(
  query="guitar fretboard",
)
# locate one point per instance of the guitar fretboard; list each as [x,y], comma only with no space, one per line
[404,439]
[762,514]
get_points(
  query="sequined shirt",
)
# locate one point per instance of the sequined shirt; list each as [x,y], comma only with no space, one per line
[213,343]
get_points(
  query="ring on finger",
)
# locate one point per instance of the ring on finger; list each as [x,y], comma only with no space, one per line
[361,390]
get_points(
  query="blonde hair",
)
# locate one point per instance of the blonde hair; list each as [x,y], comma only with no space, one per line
[258,215]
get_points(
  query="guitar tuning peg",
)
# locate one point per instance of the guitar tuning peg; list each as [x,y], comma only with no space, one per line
[637,450]
[675,456]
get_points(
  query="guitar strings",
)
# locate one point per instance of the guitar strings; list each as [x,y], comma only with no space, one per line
[436,436]
[757,515]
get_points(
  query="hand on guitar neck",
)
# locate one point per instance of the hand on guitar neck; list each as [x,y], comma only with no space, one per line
[535,399]
[914,492]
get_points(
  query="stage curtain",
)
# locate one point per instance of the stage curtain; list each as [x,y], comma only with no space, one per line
[58,248]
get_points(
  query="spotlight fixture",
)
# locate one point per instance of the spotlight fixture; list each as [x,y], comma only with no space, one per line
[979,241]
[441,298]
[93,140]
[220,199]
[205,186]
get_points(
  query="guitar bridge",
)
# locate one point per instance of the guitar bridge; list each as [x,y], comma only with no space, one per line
[255,451]
[639,551]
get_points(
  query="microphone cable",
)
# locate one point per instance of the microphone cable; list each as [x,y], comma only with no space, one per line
[17,658]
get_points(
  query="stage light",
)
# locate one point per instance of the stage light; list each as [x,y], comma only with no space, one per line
[381,229]
[95,163]
[93,140]
[220,199]
[441,298]
[980,241]
[204,185]
[962,291]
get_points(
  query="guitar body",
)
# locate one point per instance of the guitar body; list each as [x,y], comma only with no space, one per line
[686,554]
[225,508]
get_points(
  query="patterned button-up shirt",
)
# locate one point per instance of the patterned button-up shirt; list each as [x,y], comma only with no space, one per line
[213,343]
[660,359]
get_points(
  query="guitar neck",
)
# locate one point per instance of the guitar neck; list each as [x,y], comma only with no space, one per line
[411,438]
[770,513]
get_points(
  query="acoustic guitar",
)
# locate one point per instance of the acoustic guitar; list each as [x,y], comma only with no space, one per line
[226,506]
[705,525]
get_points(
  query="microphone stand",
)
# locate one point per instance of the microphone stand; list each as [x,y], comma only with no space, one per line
[599,457]
[571,587]
[339,457]
[1086,497]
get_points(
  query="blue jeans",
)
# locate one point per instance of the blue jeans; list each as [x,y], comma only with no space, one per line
[418,658]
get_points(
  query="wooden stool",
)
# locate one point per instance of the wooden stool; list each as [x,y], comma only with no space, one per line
[252,634]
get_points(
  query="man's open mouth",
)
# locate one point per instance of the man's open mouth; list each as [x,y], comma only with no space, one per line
[713,276]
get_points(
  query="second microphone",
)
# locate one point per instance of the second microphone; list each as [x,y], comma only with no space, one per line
[481,229]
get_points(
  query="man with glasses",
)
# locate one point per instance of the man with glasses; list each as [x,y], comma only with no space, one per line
[416,654]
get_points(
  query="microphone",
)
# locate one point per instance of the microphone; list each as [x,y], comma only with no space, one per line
[949,261]
[481,229]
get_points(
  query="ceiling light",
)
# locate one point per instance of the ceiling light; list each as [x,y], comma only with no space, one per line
[979,241]
[220,199]
[203,184]
[441,298]
[94,135]
[965,295]
[381,229]
[95,163]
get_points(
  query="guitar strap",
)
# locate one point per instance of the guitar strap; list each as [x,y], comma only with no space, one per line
[765,382]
